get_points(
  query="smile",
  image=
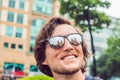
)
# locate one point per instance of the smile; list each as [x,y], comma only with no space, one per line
[69,57]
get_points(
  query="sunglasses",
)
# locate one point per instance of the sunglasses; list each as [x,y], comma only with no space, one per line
[56,42]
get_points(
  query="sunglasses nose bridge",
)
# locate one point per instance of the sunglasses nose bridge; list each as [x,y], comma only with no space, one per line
[66,42]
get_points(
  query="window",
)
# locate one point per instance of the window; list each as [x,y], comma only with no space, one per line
[33,68]
[10,16]
[9,31]
[31,48]
[12,3]
[41,0]
[49,10]
[18,32]
[0,15]
[33,34]
[6,45]
[0,3]
[21,4]
[20,47]
[43,6]
[32,37]
[13,66]
[20,18]
[13,46]
[49,1]
[36,25]
[37,22]
[39,8]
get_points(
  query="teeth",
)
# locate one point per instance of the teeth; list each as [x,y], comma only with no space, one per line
[69,57]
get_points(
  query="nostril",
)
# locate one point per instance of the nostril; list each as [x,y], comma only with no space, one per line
[68,50]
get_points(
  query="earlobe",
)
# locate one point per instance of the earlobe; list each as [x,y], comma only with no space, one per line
[44,62]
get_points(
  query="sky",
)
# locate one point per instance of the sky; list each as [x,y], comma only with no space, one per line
[114,9]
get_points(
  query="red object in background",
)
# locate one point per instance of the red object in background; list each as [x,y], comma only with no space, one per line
[17,73]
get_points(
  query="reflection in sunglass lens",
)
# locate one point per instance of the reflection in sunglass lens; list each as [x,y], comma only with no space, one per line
[59,41]
[75,39]
[56,42]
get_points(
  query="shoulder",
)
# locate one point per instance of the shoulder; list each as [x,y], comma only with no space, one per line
[88,78]
[92,78]
[96,78]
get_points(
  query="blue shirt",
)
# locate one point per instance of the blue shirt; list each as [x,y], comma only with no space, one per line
[92,78]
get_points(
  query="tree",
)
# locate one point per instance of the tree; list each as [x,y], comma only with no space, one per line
[86,15]
[81,10]
[109,63]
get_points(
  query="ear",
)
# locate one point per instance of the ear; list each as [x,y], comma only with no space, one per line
[45,62]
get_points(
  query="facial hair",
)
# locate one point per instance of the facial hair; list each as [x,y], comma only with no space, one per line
[64,71]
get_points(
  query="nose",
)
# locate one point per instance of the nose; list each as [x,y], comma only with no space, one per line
[67,46]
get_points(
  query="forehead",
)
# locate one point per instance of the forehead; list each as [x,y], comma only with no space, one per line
[63,29]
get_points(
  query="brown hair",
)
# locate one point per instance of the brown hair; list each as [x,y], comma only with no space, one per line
[40,44]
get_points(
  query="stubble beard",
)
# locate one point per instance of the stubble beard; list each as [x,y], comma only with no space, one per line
[64,71]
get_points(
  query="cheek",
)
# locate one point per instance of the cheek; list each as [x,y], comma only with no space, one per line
[50,52]
[79,49]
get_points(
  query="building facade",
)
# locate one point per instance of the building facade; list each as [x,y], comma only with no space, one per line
[20,21]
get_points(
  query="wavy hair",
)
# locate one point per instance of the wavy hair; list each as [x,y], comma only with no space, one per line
[40,44]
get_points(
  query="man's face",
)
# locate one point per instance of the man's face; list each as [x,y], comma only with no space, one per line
[65,60]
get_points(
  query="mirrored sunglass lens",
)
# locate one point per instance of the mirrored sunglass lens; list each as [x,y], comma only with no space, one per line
[56,42]
[75,39]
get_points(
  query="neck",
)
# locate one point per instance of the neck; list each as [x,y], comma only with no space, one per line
[76,76]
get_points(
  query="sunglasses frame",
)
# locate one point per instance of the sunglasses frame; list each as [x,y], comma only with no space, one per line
[48,39]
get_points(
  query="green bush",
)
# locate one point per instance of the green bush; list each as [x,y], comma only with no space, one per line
[39,77]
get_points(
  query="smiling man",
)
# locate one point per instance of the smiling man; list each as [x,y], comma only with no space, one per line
[60,51]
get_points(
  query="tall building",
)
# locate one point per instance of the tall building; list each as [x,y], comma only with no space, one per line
[20,21]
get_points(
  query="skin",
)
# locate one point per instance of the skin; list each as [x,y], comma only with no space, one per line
[66,62]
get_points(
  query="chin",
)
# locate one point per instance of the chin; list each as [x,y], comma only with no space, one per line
[69,71]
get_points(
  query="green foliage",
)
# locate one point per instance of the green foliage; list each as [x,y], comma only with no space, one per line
[108,65]
[82,10]
[40,77]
